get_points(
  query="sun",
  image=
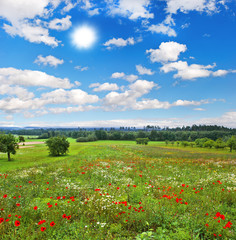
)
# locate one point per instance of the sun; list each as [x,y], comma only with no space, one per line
[84,37]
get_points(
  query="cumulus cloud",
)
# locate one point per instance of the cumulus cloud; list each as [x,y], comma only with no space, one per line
[32,32]
[133,9]
[13,76]
[17,91]
[185,6]
[118,75]
[19,12]
[74,97]
[168,51]
[193,71]
[144,71]
[128,98]
[121,75]
[60,24]
[48,60]
[163,29]
[119,42]
[104,87]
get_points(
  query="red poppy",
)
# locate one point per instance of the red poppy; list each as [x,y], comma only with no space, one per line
[17,223]
[35,208]
[64,215]
[43,229]
[1,220]
[18,204]
[5,196]
[52,224]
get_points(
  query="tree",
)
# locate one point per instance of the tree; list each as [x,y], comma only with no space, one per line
[22,139]
[231,143]
[8,144]
[58,145]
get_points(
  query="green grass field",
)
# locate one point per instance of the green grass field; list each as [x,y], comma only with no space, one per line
[118,190]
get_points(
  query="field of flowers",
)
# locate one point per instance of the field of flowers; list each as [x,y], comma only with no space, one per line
[121,191]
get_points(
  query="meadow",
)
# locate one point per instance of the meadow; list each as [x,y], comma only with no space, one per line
[118,190]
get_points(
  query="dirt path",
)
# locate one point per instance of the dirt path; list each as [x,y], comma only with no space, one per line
[29,144]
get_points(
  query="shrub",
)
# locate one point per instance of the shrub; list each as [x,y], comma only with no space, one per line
[57,145]
[143,141]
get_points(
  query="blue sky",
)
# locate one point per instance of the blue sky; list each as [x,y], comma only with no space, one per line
[108,63]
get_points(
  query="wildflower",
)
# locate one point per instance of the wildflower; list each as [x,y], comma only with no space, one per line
[17,223]
[43,229]
[35,208]
[1,220]
[52,224]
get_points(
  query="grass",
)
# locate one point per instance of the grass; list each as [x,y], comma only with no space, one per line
[118,190]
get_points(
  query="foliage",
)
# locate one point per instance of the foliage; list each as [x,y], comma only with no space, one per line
[8,144]
[231,143]
[22,139]
[143,141]
[90,138]
[58,145]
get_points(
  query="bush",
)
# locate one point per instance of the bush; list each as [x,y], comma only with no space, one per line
[143,141]
[57,145]
[90,138]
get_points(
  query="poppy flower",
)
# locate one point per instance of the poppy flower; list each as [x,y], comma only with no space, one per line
[18,204]
[52,224]
[64,215]
[17,223]
[1,220]
[35,208]
[5,196]
[43,229]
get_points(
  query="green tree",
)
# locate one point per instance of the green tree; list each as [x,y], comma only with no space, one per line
[231,143]
[22,139]
[8,144]
[58,145]
[209,144]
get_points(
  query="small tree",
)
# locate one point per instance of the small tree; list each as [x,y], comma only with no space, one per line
[58,145]
[22,139]
[231,143]
[8,144]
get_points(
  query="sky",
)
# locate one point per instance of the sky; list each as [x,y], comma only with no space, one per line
[115,63]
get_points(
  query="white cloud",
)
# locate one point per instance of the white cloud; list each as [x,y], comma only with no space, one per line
[93,85]
[142,70]
[74,97]
[80,68]
[193,71]
[118,75]
[31,32]
[130,78]
[48,60]
[128,98]
[185,6]
[168,51]
[119,42]
[14,76]
[20,92]
[60,24]
[105,87]
[14,11]
[19,12]
[220,73]
[121,75]
[133,9]
[162,28]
